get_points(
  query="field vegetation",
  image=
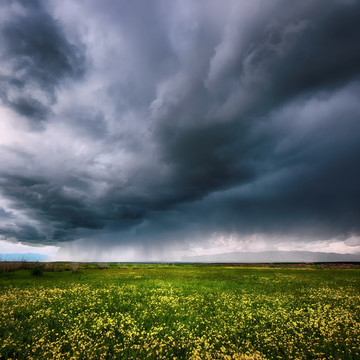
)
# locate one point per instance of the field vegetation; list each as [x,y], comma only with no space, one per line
[159,311]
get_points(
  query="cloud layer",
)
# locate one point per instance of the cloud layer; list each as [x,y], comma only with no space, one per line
[160,122]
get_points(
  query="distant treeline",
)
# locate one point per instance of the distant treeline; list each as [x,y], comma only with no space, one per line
[8,266]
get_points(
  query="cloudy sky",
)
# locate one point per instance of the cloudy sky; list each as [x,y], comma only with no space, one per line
[154,130]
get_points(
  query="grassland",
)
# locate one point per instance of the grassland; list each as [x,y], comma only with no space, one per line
[180,312]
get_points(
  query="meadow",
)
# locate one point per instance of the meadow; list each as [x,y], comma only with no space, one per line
[159,311]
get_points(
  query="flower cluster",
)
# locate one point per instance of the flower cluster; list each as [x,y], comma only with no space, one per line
[182,313]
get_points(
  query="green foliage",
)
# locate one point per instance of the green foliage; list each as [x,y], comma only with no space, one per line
[181,312]
[36,271]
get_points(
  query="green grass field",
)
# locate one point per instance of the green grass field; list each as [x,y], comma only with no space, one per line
[181,312]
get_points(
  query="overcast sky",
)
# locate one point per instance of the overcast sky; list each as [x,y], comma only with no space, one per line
[161,129]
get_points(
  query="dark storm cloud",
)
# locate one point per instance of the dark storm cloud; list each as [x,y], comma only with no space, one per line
[28,107]
[48,203]
[296,62]
[193,120]
[326,54]
[36,58]
[291,53]
[306,175]
[27,233]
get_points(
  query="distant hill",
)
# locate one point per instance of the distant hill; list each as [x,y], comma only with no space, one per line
[273,257]
[24,257]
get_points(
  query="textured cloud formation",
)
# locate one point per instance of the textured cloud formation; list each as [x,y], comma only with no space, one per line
[161,122]
[36,57]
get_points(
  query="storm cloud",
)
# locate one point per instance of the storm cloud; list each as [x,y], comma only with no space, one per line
[161,123]
[36,57]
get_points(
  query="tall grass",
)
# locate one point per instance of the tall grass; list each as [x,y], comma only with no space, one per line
[10,266]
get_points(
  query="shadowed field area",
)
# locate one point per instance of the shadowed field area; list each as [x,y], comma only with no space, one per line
[156,311]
